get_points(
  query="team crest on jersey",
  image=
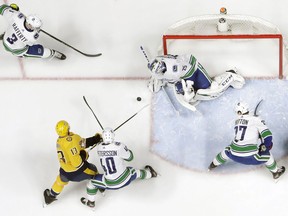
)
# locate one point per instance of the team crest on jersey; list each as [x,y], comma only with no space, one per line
[69,139]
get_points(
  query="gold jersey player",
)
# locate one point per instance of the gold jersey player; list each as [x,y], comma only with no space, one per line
[72,158]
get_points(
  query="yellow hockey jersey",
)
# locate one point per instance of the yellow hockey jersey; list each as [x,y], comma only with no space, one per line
[68,150]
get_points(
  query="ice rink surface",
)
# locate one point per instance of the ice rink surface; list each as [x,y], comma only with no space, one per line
[35,94]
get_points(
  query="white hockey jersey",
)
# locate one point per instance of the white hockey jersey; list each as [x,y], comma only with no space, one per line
[248,130]
[178,66]
[17,37]
[112,158]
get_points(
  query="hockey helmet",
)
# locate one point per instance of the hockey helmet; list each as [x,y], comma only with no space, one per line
[62,128]
[242,108]
[34,22]
[108,135]
[157,67]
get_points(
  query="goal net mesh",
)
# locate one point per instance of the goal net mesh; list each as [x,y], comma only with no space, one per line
[243,30]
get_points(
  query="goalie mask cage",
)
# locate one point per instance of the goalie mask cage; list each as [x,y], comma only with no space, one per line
[228,27]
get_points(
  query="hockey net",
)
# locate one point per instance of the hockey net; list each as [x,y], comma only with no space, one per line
[251,44]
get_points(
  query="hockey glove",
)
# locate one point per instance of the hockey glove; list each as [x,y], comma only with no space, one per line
[14,7]
[84,155]
[262,148]
[98,138]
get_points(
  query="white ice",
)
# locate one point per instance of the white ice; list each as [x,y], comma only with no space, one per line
[35,94]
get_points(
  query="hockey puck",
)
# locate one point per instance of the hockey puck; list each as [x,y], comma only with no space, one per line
[139,98]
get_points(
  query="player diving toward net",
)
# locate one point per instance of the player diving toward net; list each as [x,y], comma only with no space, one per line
[189,79]
[22,33]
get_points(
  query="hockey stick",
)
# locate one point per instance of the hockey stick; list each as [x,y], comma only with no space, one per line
[131,117]
[122,123]
[85,54]
[93,112]
[170,101]
[256,108]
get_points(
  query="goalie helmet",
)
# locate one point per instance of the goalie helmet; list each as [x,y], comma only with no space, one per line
[62,128]
[34,22]
[242,108]
[157,67]
[108,135]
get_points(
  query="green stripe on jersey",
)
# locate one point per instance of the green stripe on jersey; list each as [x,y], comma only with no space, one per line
[190,73]
[3,8]
[266,133]
[120,179]
[262,157]
[243,149]
[16,51]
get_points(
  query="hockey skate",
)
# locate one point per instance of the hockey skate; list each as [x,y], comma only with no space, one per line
[211,166]
[87,202]
[48,197]
[278,173]
[59,55]
[151,170]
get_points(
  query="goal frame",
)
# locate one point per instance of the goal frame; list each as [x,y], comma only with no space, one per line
[278,37]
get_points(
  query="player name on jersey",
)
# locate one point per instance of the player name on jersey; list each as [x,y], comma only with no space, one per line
[19,33]
[242,121]
[107,153]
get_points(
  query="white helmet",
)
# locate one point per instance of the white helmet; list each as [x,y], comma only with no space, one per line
[241,108]
[157,67]
[34,21]
[108,135]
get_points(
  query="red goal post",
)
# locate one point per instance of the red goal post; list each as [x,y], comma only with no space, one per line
[208,27]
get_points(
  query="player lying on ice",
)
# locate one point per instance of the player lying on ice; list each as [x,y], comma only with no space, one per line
[189,79]
[22,33]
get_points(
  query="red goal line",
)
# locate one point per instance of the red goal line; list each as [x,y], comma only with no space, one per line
[241,36]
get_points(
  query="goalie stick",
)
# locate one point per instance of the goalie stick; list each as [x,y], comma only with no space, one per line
[85,54]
